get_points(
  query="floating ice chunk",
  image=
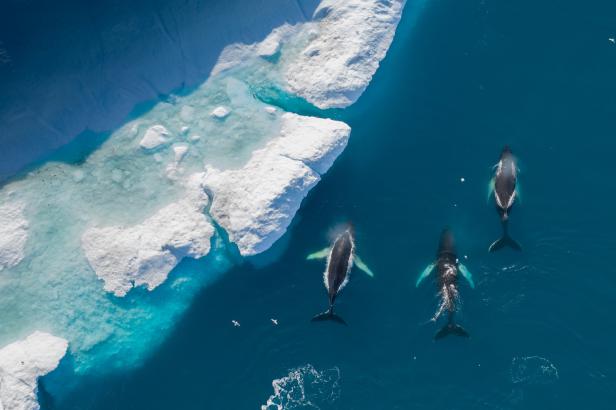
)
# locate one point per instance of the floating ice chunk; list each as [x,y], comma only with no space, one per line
[144,254]
[184,130]
[22,363]
[154,137]
[180,151]
[269,109]
[195,138]
[255,204]
[220,112]
[352,37]
[13,233]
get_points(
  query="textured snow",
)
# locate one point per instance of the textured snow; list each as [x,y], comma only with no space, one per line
[13,233]
[144,254]
[346,42]
[255,204]
[154,137]
[22,363]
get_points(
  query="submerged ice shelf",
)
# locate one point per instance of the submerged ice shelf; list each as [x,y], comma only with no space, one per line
[146,208]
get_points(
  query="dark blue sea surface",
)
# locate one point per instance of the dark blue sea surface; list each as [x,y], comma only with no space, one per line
[460,82]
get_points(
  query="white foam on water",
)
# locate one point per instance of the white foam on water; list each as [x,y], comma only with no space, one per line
[305,388]
[533,370]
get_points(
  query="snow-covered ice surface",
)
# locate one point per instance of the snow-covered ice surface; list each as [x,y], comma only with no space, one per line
[13,233]
[108,251]
[255,204]
[22,363]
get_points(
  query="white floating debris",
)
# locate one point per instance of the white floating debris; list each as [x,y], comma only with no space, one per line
[220,112]
[462,179]
[180,151]
[465,256]
[274,321]
[612,40]
[235,323]
[154,137]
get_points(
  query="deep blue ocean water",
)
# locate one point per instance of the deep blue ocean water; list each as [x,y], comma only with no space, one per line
[463,80]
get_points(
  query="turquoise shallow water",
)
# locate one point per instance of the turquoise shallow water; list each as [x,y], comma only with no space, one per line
[457,85]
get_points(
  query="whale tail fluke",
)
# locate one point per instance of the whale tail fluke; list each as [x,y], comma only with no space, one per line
[505,241]
[329,315]
[451,329]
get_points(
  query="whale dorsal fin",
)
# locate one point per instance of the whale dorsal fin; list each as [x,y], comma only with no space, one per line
[362,266]
[467,275]
[425,273]
[322,254]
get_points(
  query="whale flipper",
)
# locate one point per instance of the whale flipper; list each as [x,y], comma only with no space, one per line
[490,189]
[322,254]
[467,275]
[451,329]
[518,192]
[362,266]
[506,240]
[426,272]
[329,315]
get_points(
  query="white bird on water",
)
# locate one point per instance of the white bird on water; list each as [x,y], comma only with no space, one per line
[274,321]
[235,323]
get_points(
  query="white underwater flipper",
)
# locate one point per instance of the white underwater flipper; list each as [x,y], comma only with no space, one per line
[362,266]
[322,254]
[490,189]
[426,272]
[467,275]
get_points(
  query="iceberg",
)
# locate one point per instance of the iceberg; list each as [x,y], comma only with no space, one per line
[22,363]
[255,204]
[106,252]
[343,47]
[144,254]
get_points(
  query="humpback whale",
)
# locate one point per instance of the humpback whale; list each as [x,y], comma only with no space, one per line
[504,186]
[447,267]
[340,260]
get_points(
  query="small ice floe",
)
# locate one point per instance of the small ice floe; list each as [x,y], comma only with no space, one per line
[274,321]
[270,110]
[154,137]
[220,112]
[184,130]
[195,138]
[462,179]
[612,40]
[235,323]
[465,256]
[180,151]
